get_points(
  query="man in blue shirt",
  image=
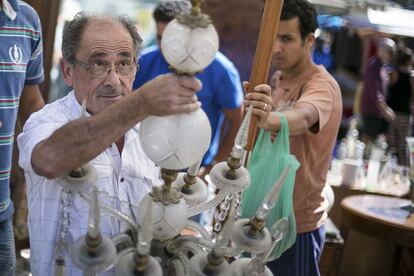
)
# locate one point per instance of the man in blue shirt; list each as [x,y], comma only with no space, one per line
[221,95]
[21,70]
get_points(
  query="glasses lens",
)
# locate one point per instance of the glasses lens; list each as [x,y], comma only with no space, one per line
[101,70]
[125,70]
[98,70]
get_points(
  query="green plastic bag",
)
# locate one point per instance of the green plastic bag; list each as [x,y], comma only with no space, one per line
[267,162]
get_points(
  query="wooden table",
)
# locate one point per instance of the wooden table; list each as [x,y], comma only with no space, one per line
[379,217]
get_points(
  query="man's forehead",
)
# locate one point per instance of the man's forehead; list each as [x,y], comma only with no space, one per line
[104,36]
[99,24]
[289,26]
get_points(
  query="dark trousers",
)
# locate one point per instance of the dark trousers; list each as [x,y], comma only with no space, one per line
[7,254]
[303,257]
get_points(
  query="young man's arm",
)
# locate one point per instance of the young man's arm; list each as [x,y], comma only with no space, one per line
[300,119]
[31,101]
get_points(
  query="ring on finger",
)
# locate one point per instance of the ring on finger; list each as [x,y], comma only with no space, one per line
[265,106]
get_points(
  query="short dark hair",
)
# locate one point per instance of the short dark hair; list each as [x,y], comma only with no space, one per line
[306,13]
[168,10]
[73,30]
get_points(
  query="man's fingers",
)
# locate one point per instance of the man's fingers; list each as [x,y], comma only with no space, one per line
[264,103]
[191,83]
[245,86]
[189,107]
[180,100]
[263,88]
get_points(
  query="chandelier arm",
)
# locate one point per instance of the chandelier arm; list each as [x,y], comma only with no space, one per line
[112,211]
[178,242]
[199,228]
[208,205]
[184,260]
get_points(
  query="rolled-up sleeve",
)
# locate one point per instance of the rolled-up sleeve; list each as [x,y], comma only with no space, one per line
[38,128]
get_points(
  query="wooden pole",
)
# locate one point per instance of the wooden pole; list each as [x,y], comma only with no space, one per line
[263,55]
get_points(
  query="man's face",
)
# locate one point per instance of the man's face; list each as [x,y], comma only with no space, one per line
[102,42]
[289,48]
[160,30]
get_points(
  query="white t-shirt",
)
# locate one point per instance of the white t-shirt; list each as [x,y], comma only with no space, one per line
[123,180]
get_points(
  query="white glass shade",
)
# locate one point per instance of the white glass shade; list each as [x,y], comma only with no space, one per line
[199,190]
[176,142]
[218,177]
[168,220]
[256,245]
[240,267]
[189,50]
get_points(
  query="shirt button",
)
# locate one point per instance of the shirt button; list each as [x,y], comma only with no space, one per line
[122,179]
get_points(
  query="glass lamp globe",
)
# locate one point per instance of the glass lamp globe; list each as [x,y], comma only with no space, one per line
[189,50]
[244,266]
[168,220]
[176,142]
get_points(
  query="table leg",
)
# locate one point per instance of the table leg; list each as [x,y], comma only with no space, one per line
[398,249]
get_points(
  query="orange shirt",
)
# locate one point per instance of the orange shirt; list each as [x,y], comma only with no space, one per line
[312,149]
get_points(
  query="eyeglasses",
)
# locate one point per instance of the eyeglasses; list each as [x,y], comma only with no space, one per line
[101,69]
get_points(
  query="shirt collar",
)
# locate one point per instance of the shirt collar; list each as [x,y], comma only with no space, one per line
[9,8]
[75,106]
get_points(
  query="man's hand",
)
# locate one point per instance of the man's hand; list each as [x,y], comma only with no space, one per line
[170,94]
[261,100]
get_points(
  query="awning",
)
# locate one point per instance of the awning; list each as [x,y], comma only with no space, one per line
[389,20]
[393,21]
[331,7]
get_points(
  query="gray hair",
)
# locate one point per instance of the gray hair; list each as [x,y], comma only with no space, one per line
[73,30]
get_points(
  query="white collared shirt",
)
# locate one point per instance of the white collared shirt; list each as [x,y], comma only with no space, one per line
[127,178]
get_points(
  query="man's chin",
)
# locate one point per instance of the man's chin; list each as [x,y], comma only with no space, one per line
[105,102]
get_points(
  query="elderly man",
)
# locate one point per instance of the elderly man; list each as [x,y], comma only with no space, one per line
[99,62]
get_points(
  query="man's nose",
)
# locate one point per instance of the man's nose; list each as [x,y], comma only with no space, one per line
[112,77]
[277,46]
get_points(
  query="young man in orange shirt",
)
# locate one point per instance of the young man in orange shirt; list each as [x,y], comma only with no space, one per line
[310,99]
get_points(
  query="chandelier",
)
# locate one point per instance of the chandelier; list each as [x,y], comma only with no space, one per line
[155,244]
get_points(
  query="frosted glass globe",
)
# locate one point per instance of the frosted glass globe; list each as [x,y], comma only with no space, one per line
[199,190]
[240,267]
[176,142]
[168,220]
[189,50]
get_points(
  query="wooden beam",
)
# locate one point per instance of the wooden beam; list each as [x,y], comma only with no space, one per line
[263,55]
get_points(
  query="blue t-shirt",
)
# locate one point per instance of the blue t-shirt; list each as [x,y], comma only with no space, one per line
[21,63]
[221,89]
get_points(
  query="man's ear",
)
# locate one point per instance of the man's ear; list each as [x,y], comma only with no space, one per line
[67,71]
[310,40]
